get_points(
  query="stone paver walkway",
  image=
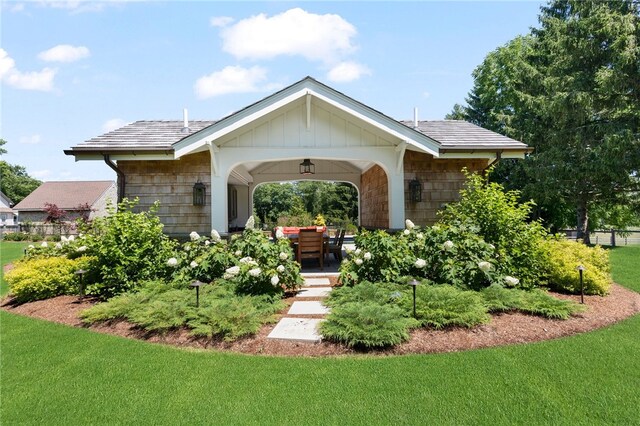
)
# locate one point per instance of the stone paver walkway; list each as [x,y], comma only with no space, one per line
[300,329]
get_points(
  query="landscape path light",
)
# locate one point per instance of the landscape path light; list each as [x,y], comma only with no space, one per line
[197,284]
[80,273]
[581,269]
[414,283]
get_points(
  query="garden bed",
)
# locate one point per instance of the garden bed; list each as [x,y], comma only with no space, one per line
[504,329]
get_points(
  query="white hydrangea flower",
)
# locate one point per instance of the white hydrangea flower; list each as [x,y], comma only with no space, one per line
[58,246]
[448,245]
[357,252]
[251,223]
[207,242]
[275,280]
[255,272]
[31,246]
[71,238]
[367,256]
[283,256]
[173,262]
[233,271]
[406,232]
[348,250]
[420,236]
[194,236]
[238,253]
[193,264]
[358,261]
[484,266]
[280,268]
[409,224]
[420,263]
[279,234]
[187,247]
[44,244]
[215,236]
[511,281]
[82,249]
[63,239]
[247,259]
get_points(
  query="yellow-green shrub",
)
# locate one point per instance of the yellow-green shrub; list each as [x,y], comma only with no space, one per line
[43,278]
[564,258]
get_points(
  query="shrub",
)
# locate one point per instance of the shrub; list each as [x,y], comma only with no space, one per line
[16,236]
[367,325]
[381,293]
[129,247]
[160,307]
[200,259]
[501,221]
[565,256]
[538,302]
[535,302]
[455,255]
[44,278]
[441,306]
[380,257]
[262,266]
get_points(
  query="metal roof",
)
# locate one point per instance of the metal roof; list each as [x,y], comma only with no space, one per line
[67,195]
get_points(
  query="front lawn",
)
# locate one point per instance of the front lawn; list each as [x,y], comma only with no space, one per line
[9,251]
[55,374]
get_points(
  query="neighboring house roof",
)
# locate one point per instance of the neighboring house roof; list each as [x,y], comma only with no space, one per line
[66,195]
[166,137]
[462,135]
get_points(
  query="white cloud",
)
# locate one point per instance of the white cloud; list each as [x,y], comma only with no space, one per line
[30,140]
[64,53]
[35,80]
[41,174]
[232,79]
[221,21]
[347,71]
[426,94]
[112,124]
[324,38]
[77,6]
[18,7]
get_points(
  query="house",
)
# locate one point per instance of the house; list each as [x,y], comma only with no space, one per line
[7,214]
[76,198]
[204,172]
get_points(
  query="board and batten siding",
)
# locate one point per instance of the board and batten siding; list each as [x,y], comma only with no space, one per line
[171,183]
[287,128]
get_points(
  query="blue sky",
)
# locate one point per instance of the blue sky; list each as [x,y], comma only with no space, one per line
[71,70]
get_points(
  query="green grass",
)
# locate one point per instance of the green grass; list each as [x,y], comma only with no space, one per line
[53,374]
[625,263]
[9,251]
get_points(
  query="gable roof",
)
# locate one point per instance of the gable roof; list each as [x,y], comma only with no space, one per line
[308,87]
[66,195]
[166,137]
[5,201]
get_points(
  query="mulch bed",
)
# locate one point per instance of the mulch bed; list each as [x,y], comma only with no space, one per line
[504,329]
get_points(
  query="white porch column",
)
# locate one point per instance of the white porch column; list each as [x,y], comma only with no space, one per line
[219,210]
[396,199]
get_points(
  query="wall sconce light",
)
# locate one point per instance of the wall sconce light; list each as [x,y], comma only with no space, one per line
[307,167]
[415,191]
[199,194]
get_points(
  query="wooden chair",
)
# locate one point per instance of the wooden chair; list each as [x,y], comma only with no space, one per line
[336,247]
[311,246]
